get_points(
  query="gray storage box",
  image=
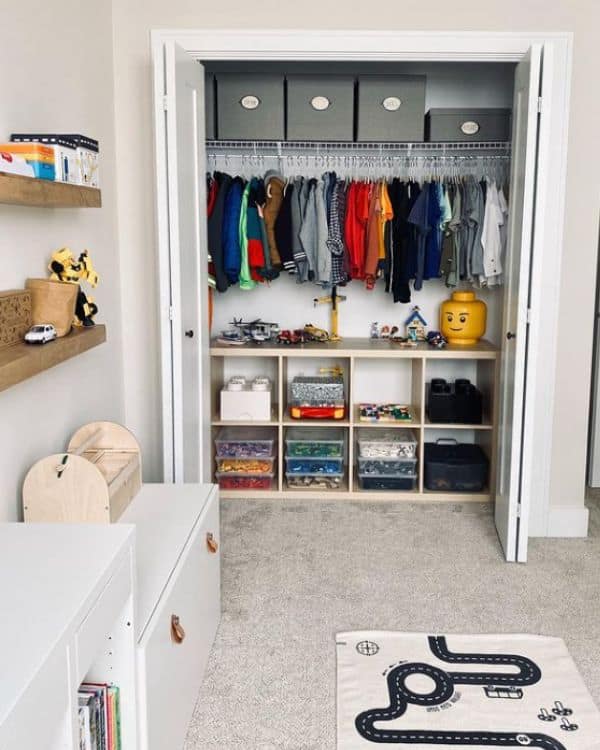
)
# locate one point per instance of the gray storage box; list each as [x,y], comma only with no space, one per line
[468,125]
[320,108]
[391,108]
[209,98]
[250,106]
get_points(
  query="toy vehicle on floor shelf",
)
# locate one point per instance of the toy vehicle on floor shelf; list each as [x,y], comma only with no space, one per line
[41,334]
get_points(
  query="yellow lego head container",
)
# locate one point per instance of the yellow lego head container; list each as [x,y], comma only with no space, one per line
[463,318]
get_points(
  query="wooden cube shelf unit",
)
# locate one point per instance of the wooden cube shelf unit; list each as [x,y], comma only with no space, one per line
[419,366]
[17,190]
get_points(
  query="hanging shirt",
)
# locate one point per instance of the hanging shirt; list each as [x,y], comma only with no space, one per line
[419,218]
[433,249]
[374,228]
[283,230]
[355,230]
[232,258]
[478,214]
[297,209]
[323,253]
[215,230]
[399,192]
[274,184]
[491,238]
[335,240]
[447,261]
[308,230]
[246,281]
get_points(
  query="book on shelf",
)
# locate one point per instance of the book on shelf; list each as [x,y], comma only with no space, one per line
[99,716]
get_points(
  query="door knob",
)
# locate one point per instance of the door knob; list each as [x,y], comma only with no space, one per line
[189,334]
[510,335]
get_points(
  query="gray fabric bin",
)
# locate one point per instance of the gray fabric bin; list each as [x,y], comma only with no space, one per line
[209,98]
[468,125]
[250,106]
[391,108]
[320,108]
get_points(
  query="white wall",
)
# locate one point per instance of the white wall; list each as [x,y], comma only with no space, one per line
[56,76]
[133,21]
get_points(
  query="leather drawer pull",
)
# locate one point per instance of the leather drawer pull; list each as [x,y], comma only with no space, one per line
[211,543]
[177,631]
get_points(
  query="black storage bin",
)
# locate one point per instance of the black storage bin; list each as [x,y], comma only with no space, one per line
[468,125]
[457,403]
[320,108]
[391,108]
[455,467]
[209,98]
[250,107]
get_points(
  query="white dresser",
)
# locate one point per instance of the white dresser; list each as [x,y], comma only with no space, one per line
[178,604]
[66,616]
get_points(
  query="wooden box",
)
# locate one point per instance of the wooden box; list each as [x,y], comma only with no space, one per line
[93,482]
[15,316]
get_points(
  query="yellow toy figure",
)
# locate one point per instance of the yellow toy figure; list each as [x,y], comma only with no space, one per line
[463,318]
[64,267]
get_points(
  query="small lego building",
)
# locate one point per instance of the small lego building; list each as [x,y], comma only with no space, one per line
[415,326]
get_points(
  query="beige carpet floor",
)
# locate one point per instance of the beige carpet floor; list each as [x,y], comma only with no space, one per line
[295,573]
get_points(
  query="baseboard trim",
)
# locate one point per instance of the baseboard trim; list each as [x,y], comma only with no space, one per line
[567,522]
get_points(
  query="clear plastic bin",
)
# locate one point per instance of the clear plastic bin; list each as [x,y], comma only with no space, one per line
[398,482]
[387,467]
[314,465]
[244,442]
[315,442]
[245,481]
[248,466]
[314,481]
[381,443]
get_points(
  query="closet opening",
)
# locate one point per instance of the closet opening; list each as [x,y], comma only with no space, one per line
[395,418]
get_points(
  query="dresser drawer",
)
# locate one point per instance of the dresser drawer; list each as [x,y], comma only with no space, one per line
[174,648]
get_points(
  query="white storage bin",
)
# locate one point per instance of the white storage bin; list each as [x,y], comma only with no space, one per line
[240,402]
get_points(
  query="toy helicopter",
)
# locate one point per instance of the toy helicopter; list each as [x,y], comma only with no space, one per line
[255,330]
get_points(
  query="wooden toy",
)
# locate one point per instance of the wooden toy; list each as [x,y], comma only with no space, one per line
[463,318]
[93,482]
[415,326]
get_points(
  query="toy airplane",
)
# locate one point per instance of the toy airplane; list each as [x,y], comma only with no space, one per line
[256,330]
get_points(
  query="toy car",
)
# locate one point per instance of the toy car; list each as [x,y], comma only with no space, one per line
[41,334]
[315,334]
[291,337]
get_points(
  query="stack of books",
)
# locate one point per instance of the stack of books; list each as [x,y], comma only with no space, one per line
[99,717]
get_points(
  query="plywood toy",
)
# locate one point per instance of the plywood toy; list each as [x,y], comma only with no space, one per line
[93,482]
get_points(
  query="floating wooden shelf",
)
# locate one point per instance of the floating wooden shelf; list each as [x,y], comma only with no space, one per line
[22,361]
[29,191]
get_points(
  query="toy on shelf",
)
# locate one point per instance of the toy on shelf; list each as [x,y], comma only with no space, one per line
[292,337]
[463,318]
[384,413]
[415,326]
[92,482]
[436,339]
[256,331]
[333,299]
[318,396]
[242,401]
[64,267]
[41,334]
[385,332]
[15,316]
[312,333]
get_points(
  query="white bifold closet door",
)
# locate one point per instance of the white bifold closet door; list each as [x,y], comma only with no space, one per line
[186,187]
[512,504]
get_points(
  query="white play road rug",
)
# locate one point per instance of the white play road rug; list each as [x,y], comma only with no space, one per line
[461,691]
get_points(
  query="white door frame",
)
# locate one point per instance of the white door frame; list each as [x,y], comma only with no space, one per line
[284,44]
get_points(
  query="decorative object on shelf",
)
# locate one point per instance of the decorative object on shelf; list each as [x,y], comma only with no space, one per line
[66,164]
[52,302]
[463,318]
[333,299]
[243,401]
[374,331]
[39,157]
[40,334]
[436,339]
[64,267]
[93,482]
[13,164]
[318,396]
[312,333]
[384,413]
[415,325]
[256,331]
[458,403]
[15,316]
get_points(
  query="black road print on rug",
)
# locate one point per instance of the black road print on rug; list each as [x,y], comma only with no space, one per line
[401,696]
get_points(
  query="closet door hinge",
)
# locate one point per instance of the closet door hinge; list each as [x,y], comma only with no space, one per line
[519,506]
[171,312]
[528,316]
[539,104]
[165,102]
